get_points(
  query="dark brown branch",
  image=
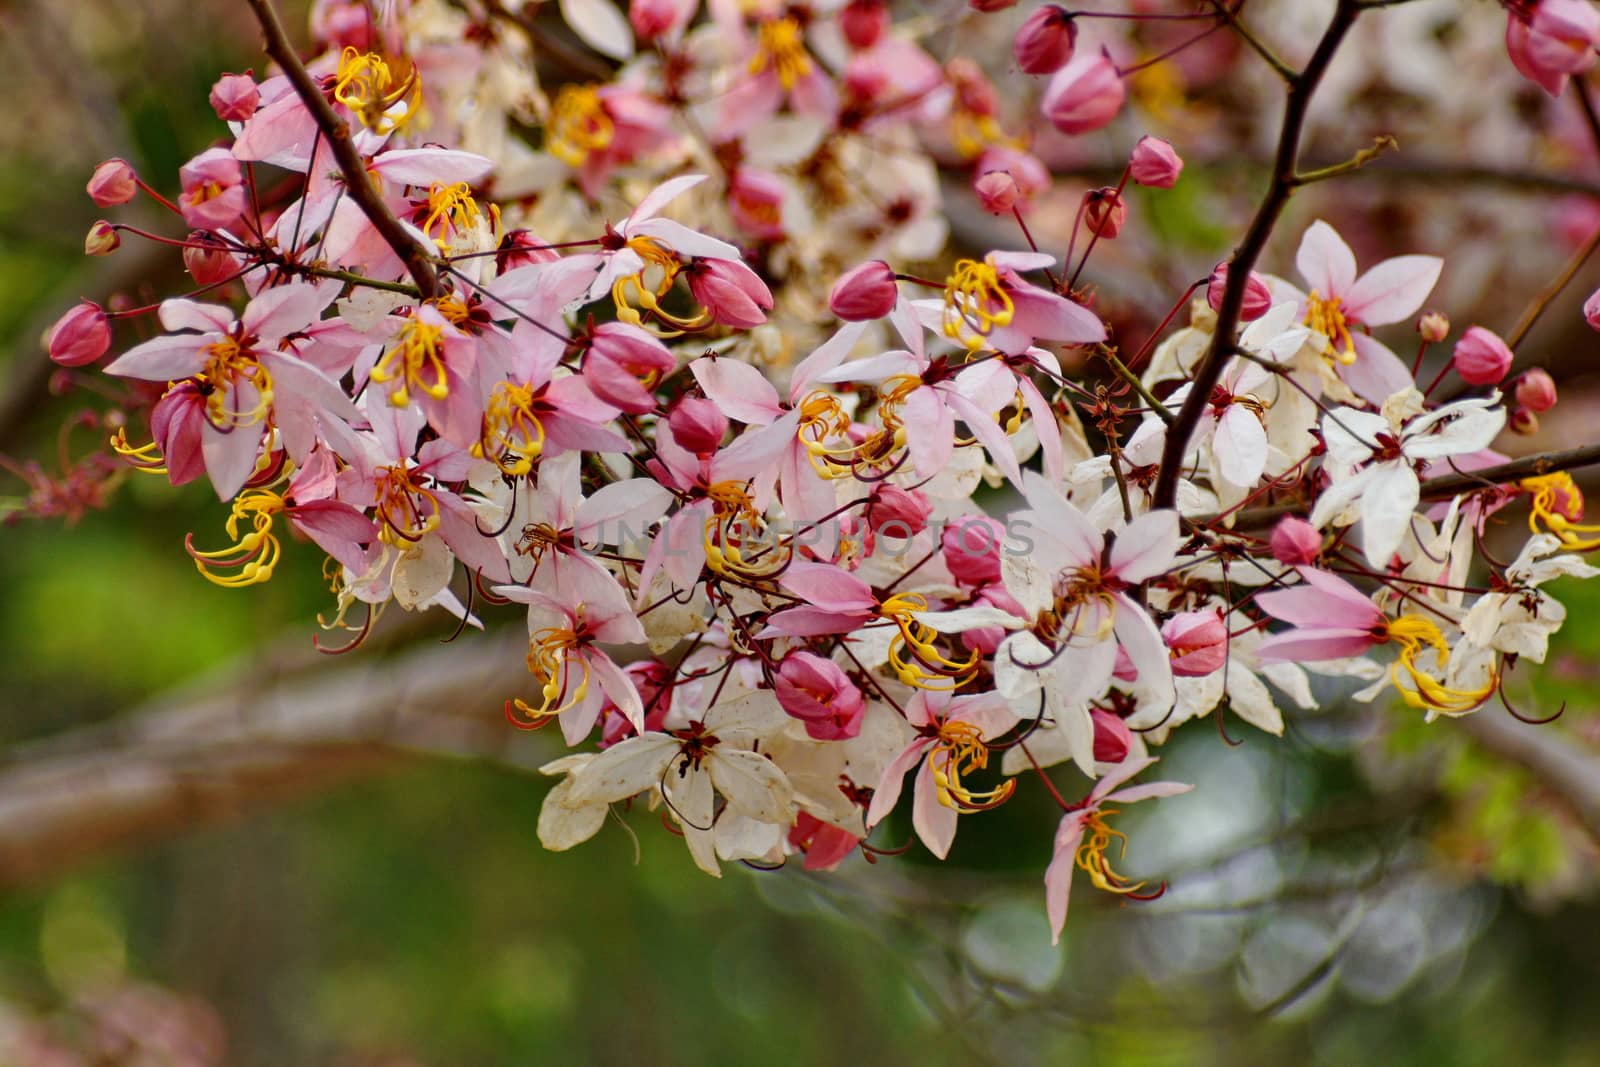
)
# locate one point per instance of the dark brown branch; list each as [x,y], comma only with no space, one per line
[417,258]
[1301,89]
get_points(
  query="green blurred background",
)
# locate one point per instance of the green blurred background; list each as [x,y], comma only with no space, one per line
[410,917]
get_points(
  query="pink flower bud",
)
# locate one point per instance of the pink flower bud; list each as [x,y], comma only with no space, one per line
[80,336]
[991,5]
[1257,297]
[519,248]
[659,18]
[971,548]
[1523,422]
[112,183]
[818,693]
[865,292]
[755,200]
[864,22]
[1155,163]
[1433,327]
[211,264]
[176,424]
[997,191]
[698,425]
[234,98]
[1104,212]
[213,191]
[1550,40]
[102,239]
[1030,174]
[903,511]
[1112,738]
[1295,542]
[1481,358]
[623,366]
[1197,641]
[1536,390]
[1084,95]
[731,291]
[1591,309]
[1044,42]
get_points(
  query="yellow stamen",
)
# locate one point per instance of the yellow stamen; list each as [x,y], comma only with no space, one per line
[1092,854]
[367,86]
[1557,504]
[408,511]
[975,303]
[781,48]
[960,750]
[146,458]
[512,437]
[418,350]
[1417,636]
[229,365]
[548,653]
[663,261]
[913,654]
[254,554]
[972,133]
[579,125]
[1326,316]
[451,209]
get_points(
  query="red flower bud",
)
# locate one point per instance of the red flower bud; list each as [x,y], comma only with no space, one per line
[1295,542]
[1197,641]
[731,291]
[112,183]
[1084,95]
[997,191]
[818,693]
[80,336]
[1045,41]
[864,292]
[211,264]
[1112,738]
[698,425]
[1257,297]
[235,96]
[1155,163]
[864,22]
[1104,212]
[903,511]
[971,548]
[102,239]
[1481,358]
[1536,390]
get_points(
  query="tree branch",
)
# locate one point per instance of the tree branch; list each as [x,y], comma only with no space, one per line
[417,258]
[1301,89]
[1560,762]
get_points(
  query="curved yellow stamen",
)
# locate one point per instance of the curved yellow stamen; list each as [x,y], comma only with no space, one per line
[414,362]
[1557,503]
[1326,316]
[451,209]
[960,750]
[254,554]
[913,653]
[1417,636]
[975,303]
[512,437]
[549,651]
[1091,856]
[634,289]
[579,125]
[781,48]
[228,366]
[367,86]
[146,458]
[407,510]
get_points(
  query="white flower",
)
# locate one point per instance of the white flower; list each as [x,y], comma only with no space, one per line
[1520,620]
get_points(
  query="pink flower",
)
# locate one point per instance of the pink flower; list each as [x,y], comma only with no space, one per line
[989,304]
[1340,301]
[1086,821]
[112,183]
[235,96]
[951,741]
[1332,619]
[1155,163]
[623,365]
[818,693]
[1553,41]
[1044,42]
[213,195]
[1197,642]
[733,293]
[971,548]
[1257,297]
[698,425]
[1591,309]
[1481,358]
[1295,541]
[81,336]
[1536,390]
[755,201]
[864,292]
[1104,212]
[997,191]
[654,19]
[1084,95]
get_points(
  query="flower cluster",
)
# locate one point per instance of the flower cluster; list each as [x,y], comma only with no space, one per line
[794,522]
